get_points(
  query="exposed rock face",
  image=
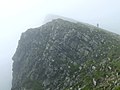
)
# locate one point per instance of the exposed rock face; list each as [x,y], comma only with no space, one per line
[63,55]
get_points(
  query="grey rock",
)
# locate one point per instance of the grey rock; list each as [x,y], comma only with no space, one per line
[56,56]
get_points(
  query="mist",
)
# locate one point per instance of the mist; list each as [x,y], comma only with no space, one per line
[18,16]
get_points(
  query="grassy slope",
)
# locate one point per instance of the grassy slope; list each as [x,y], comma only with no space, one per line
[103,69]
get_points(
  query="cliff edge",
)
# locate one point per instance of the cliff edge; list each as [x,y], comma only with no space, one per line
[64,55]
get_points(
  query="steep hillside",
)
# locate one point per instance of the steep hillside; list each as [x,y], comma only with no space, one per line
[63,55]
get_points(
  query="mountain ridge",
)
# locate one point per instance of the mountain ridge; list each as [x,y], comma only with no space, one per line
[62,55]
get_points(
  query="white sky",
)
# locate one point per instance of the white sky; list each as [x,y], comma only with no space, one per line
[16,16]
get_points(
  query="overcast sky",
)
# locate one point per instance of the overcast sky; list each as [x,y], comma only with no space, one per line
[16,16]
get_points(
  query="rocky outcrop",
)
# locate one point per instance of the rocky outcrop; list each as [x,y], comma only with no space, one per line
[63,55]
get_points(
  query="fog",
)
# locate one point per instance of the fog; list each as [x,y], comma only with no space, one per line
[17,16]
